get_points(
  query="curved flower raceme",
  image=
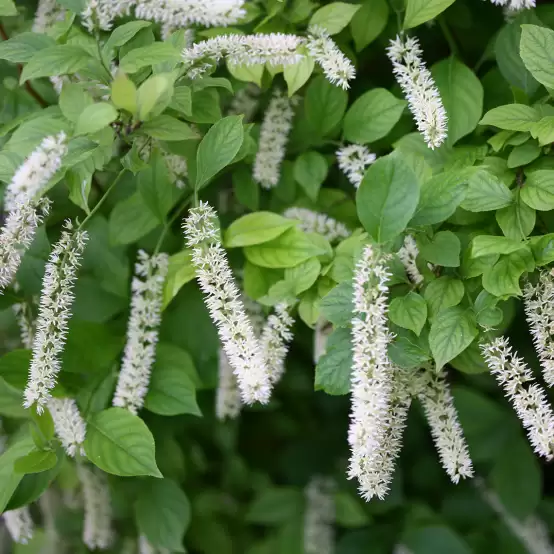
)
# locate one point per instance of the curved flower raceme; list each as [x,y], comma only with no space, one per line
[321,334]
[97,529]
[527,397]
[100,14]
[19,524]
[274,136]
[408,254]
[371,380]
[515,5]
[319,534]
[142,331]
[222,298]
[314,222]
[53,317]
[353,160]
[420,90]
[69,425]
[48,12]
[539,309]
[446,430]
[227,401]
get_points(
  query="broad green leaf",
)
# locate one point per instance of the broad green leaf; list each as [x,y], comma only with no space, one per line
[11,401]
[10,479]
[155,186]
[124,93]
[409,351]
[372,116]
[420,11]
[248,73]
[182,100]
[513,117]
[273,506]
[334,17]
[74,100]
[14,367]
[442,293]
[337,305]
[36,461]
[486,192]
[443,249]
[538,190]
[324,106]
[130,220]
[543,130]
[462,96]
[95,117]
[289,249]
[452,331]
[297,75]
[62,59]
[163,513]
[387,198]
[435,539]
[502,279]
[156,53]
[247,191]
[332,373]
[310,171]
[484,245]
[350,512]
[409,312]
[537,53]
[7,8]
[166,127]
[218,148]
[180,272]
[22,47]
[369,22]
[154,95]
[517,221]
[120,443]
[124,33]
[523,154]
[303,276]
[543,249]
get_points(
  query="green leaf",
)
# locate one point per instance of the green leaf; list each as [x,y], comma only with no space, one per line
[120,443]
[276,505]
[14,367]
[124,93]
[247,191]
[537,53]
[484,245]
[35,462]
[420,11]
[523,154]
[182,100]
[22,47]
[387,197]
[10,479]
[247,73]
[303,276]
[73,101]
[95,117]
[289,249]
[543,249]
[370,21]
[172,390]
[514,117]
[372,116]
[337,305]
[154,95]
[7,8]
[256,228]
[62,59]
[462,96]
[334,17]
[296,75]
[332,373]
[124,33]
[452,331]
[11,401]
[180,272]
[409,312]
[502,279]
[443,293]
[350,512]
[310,171]
[163,513]
[130,220]
[435,539]
[517,221]
[443,249]
[538,190]
[324,106]
[166,127]
[155,186]
[218,148]
[486,192]
[153,54]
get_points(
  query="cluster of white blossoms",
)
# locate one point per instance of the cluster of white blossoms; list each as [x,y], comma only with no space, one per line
[97,528]
[515,5]
[70,427]
[371,379]
[48,12]
[142,331]
[335,65]
[100,14]
[528,397]
[19,524]
[274,340]
[24,317]
[321,334]
[144,547]
[408,254]
[420,90]
[538,301]
[314,222]
[223,300]
[353,160]
[319,516]
[446,430]
[54,313]
[176,165]
[274,136]
[245,102]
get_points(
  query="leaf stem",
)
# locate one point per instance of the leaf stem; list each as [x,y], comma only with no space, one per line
[448,37]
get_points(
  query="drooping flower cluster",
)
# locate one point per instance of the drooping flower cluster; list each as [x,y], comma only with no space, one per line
[528,397]
[319,517]
[100,14]
[353,160]
[446,430]
[275,337]
[408,254]
[274,136]
[420,90]
[222,298]
[23,316]
[321,334]
[48,12]
[97,528]
[184,13]
[53,317]
[245,102]
[539,309]
[19,524]
[371,379]
[144,547]
[69,425]
[515,5]
[335,65]
[314,222]
[142,331]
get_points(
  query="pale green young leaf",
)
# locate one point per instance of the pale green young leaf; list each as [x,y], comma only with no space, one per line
[95,117]
[409,312]
[538,190]
[310,171]
[369,22]
[513,117]
[124,93]
[537,53]
[543,130]
[256,228]
[154,95]
[334,17]
[74,100]
[7,8]
[297,75]
[420,11]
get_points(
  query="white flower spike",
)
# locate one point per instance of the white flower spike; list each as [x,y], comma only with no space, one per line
[19,524]
[69,425]
[353,160]
[227,403]
[319,518]
[515,5]
[314,222]
[48,12]
[223,300]
[408,254]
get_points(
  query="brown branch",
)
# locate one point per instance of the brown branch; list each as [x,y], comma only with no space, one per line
[28,87]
